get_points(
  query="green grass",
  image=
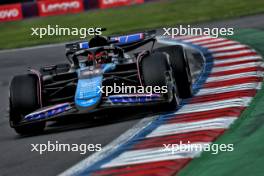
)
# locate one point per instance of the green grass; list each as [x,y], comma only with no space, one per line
[246,134]
[129,19]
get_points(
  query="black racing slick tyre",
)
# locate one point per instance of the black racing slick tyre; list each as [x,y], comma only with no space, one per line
[181,69]
[153,69]
[22,101]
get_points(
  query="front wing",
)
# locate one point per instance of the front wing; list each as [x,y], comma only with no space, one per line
[58,112]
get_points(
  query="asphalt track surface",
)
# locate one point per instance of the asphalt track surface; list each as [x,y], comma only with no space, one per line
[16,157]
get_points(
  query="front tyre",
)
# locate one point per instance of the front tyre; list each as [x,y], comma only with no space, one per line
[153,71]
[181,69]
[23,100]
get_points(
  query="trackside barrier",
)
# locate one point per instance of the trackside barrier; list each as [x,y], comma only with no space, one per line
[19,11]
[103,4]
[55,7]
[10,12]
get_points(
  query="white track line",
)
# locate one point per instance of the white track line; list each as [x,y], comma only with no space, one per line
[244,58]
[234,76]
[198,39]
[245,86]
[178,128]
[35,47]
[151,155]
[210,41]
[206,106]
[227,48]
[221,44]
[239,66]
[243,51]
[185,37]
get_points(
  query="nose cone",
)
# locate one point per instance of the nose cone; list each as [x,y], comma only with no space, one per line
[88,95]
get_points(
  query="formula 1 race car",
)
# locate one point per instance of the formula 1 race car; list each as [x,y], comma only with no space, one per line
[87,83]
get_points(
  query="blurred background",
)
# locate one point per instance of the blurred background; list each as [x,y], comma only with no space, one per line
[118,16]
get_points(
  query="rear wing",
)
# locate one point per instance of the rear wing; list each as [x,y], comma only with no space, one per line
[127,42]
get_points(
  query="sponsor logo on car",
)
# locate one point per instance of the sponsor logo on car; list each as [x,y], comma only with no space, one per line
[134,98]
[48,112]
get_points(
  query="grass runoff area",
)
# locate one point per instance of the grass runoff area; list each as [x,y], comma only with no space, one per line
[246,133]
[128,19]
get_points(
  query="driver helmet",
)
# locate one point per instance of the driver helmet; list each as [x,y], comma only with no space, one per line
[98,41]
[101,57]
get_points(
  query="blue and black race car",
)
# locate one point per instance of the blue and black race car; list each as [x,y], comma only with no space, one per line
[82,85]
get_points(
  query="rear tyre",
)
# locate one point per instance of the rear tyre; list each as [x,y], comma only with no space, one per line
[22,101]
[153,68]
[181,69]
